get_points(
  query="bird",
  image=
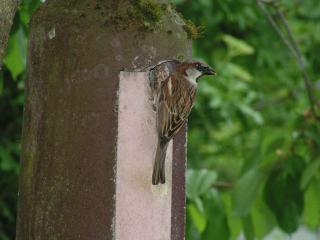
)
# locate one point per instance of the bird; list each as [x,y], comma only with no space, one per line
[174,86]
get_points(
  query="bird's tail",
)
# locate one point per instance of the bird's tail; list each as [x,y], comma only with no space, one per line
[158,175]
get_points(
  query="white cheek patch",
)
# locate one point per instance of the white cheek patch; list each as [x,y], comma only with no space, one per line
[193,74]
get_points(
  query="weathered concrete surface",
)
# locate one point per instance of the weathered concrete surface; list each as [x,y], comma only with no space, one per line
[143,211]
[67,184]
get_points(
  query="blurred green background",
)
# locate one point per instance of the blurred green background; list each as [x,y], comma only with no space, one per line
[253,149]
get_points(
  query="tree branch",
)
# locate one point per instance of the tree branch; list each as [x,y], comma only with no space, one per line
[292,45]
[8,9]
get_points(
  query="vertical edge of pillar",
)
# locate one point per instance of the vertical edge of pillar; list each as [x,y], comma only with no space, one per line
[178,206]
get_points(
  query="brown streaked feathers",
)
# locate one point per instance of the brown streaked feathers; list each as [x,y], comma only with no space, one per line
[174,98]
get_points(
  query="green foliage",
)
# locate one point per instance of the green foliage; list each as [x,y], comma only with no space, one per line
[286,207]
[311,214]
[217,226]
[252,123]
[199,182]
[15,58]
[245,191]
[254,147]
[237,47]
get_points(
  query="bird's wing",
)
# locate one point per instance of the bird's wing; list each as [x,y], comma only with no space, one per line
[174,107]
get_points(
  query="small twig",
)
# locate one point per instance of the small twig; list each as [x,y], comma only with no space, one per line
[292,45]
[274,24]
[300,61]
[221,184]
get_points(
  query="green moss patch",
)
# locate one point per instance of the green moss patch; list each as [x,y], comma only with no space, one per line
[192,30]
[146,14]
[147,10]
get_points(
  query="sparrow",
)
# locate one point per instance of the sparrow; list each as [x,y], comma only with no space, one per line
[174,85]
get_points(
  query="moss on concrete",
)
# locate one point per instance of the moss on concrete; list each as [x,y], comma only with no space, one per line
[147,10]
[145,14]
[192,30]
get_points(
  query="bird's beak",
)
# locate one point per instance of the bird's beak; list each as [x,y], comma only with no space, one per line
[209,71]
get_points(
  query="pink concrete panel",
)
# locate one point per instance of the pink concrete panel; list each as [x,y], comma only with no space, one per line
[143,211]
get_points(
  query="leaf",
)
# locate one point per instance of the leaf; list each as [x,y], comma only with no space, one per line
[7,163]
[199,204]
[6,211]
[234,222]
[26,9]
[247,110]
[245,191]
[15,58]
[198,219]
[248,227]
[295,164]
[273,141]
[239,72]
[237,46]
[263,219]
[284,197]
[199,182]
[191,230]
[309,172]
[313,133]
[217,224]
[311,213]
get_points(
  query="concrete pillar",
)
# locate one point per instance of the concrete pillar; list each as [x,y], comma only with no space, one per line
[88,135]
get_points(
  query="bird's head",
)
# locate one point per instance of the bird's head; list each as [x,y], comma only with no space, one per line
[195,70]
[203,68]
